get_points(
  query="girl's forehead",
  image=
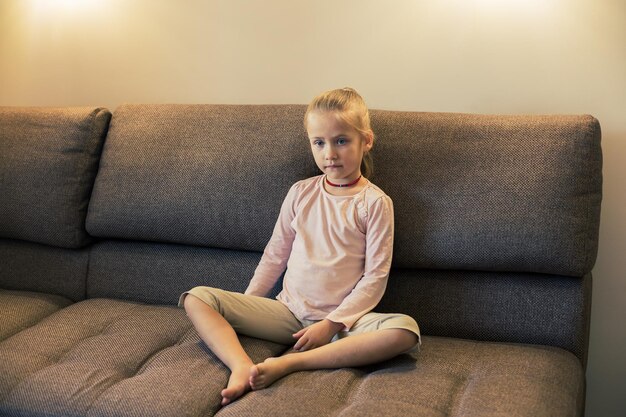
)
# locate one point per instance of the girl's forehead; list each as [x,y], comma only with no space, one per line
[318,120]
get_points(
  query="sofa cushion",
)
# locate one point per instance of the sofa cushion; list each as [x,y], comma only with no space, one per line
[48,162]
[501,307]
[450,377]
[491,193]
[21,309]
[208,175]
[166,270]
[103,357]
[34,267]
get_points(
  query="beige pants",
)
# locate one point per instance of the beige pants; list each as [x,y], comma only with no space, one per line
[269,319]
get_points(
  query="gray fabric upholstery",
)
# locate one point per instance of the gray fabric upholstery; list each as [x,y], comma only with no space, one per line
[497,193]
[105,357]
[48,162]
[496,232]
[202,175]
[21,309]
[492,193]
[159,273]
[512,307]
[34,267]
[451,378]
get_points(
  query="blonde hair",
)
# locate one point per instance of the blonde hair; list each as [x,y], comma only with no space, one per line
[351,109]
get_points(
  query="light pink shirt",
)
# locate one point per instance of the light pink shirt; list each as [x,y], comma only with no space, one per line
[337,251]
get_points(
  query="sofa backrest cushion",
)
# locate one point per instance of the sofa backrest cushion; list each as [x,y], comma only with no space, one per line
[48,162]
[206,175]
[492,193]
[471,192]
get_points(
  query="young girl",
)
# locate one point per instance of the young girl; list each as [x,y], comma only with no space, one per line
[334,235]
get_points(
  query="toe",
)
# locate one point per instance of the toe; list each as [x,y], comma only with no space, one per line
[254,372]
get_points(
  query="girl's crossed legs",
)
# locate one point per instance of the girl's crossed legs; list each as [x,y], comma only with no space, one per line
[219,315]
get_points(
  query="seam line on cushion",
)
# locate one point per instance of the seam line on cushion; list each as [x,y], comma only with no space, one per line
[141,368]
[55,360]
[125,370]
[95,334]
[457,399]
[352,391]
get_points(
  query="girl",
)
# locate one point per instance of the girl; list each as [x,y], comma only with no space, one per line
[334,235]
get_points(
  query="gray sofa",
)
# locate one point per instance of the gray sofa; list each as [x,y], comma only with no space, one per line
[105,220]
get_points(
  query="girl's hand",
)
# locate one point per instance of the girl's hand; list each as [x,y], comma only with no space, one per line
[316,335]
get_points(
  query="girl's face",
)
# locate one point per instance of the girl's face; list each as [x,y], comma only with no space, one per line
[337,147]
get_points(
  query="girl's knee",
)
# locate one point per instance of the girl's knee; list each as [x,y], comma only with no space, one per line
[193,303]
[190,302]
[411,337]
[408,336]
[404,339]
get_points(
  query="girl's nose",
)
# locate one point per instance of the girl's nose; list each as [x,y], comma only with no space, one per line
[330,153]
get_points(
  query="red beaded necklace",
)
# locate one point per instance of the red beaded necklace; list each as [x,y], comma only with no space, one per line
[350,184]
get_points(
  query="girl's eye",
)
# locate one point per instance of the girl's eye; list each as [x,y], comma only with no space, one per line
[318,143]
[341,141]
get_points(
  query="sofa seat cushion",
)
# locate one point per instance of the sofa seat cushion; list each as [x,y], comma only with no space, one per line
[21,309]
[449,377]
[105,357]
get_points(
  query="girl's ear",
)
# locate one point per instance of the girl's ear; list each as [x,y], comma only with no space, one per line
[368,140]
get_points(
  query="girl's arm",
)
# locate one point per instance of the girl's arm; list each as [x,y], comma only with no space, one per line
[379,249]
[276,254]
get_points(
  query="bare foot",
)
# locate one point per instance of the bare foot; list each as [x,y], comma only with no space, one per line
[264,374]
[237,384]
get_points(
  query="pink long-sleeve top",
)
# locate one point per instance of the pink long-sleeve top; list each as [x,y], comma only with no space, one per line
[337,251]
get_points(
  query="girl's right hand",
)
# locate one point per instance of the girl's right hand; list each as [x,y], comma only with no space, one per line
[316,335]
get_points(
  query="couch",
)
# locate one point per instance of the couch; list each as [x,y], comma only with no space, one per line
[106,218]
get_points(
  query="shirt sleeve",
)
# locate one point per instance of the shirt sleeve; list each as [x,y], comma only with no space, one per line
[378,253]
[276,253]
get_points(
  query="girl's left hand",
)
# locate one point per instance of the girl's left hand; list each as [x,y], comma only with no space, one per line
[316,335]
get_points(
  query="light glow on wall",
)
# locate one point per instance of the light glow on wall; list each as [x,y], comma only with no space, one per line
[57,8]
[517,4]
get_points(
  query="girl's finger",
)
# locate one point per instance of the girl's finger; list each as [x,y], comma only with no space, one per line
[300,343]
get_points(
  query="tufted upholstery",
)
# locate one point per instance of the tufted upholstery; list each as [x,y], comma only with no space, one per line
[21,309]
[98,356]
[450,378]
[105,357]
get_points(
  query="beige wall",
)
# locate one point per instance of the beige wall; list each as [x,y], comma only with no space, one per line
[479,56]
